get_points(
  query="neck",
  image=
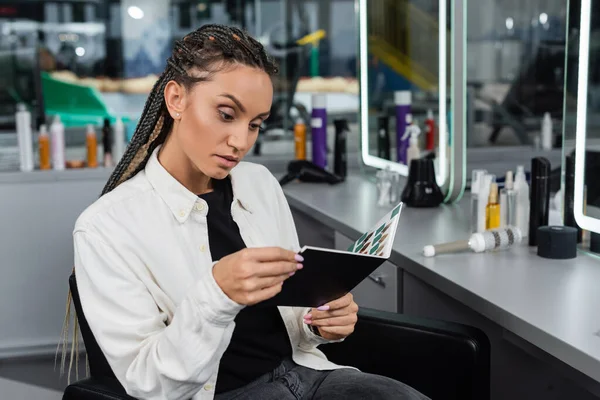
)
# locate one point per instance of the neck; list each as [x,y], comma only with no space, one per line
[176,162]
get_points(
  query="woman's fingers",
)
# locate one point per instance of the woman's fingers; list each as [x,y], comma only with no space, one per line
[344,320]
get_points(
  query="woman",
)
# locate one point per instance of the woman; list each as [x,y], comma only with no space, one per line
[186,240]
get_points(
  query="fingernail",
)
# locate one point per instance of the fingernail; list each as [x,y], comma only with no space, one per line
[292,273]
[308,321]
[299,258]
[323,308]
[308,316]
[299,266]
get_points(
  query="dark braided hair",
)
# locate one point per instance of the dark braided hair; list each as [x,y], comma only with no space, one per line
[207,49]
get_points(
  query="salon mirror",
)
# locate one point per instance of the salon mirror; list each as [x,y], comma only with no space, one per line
[405,69]
[586,143]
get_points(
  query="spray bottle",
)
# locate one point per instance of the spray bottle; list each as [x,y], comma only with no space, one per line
[413,152]
[429,131]
[402,100]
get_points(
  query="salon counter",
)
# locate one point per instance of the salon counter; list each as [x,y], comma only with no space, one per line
[553,305]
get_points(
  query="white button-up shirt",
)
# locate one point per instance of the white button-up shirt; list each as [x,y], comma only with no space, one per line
[144,274]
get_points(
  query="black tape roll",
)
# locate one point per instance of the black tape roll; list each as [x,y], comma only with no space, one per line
[557,242]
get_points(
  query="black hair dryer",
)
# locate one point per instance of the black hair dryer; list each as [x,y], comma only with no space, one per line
[422,190]
[306,171]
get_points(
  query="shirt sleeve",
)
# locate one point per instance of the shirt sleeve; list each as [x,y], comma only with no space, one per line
[151,359]
[290,240]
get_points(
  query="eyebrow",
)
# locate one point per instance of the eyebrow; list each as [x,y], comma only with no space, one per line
[240,106]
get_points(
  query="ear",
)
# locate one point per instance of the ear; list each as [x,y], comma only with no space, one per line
[175,99]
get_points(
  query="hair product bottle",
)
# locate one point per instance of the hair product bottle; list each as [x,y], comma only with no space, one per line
[107,140]
[383,137]
[522,207]
[300,140]
[413,152]
[508,206]
[402,100]
[340,162]
[569,200]
[429,131]
[91,144]
[476,182]
[57,144]
[119,140]
[319,130]
[492,211]
[539,210]
[484,190]
[24,137]
[44,148]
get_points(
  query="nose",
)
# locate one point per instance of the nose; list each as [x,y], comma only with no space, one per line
[239,137]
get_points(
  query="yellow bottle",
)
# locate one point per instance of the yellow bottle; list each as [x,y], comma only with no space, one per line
[300,140]
[492,211]
[91,143]
[44,142]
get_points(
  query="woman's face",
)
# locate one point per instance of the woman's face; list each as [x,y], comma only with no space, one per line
[220,118]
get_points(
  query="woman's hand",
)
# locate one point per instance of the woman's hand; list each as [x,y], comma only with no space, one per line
[334,320]
[252,275]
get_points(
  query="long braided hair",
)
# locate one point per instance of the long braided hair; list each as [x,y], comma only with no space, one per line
[207,50]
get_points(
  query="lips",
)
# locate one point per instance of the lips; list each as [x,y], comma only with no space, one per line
[227,161]
[230,158]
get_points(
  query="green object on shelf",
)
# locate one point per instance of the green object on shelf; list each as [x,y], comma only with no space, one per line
[314,61]
[77,105]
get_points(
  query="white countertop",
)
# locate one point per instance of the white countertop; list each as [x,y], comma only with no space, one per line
[554,305]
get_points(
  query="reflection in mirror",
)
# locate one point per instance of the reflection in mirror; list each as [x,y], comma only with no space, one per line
[404,75]
[515,79]
[586,205]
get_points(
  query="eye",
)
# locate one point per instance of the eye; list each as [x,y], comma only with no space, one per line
[256,127]
[225,117]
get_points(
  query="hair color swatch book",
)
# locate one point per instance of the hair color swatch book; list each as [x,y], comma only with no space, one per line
[330,274]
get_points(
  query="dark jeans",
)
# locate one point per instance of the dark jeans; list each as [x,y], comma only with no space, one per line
[294,382]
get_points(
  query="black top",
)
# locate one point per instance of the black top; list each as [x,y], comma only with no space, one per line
[260,341]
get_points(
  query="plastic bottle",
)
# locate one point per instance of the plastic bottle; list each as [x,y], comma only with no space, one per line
[300,139]
[319,130]
[492,210]
[340,157]
[383,137]
[522,202]
[44,148]
[429,131]
[508,202]
[119,140]
[24,138]
[476,181]
[546,132]
[484,188]
[57,142]
[413,152]
[91,144]
[402,101]
[107,139]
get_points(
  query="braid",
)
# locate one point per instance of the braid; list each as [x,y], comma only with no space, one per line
[201,49]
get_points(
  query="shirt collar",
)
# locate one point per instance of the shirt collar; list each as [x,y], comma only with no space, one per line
[178,198]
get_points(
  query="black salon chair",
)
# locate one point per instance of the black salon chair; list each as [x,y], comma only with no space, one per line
[442,360]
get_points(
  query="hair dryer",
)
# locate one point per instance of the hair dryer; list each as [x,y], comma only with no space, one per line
[306,171]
